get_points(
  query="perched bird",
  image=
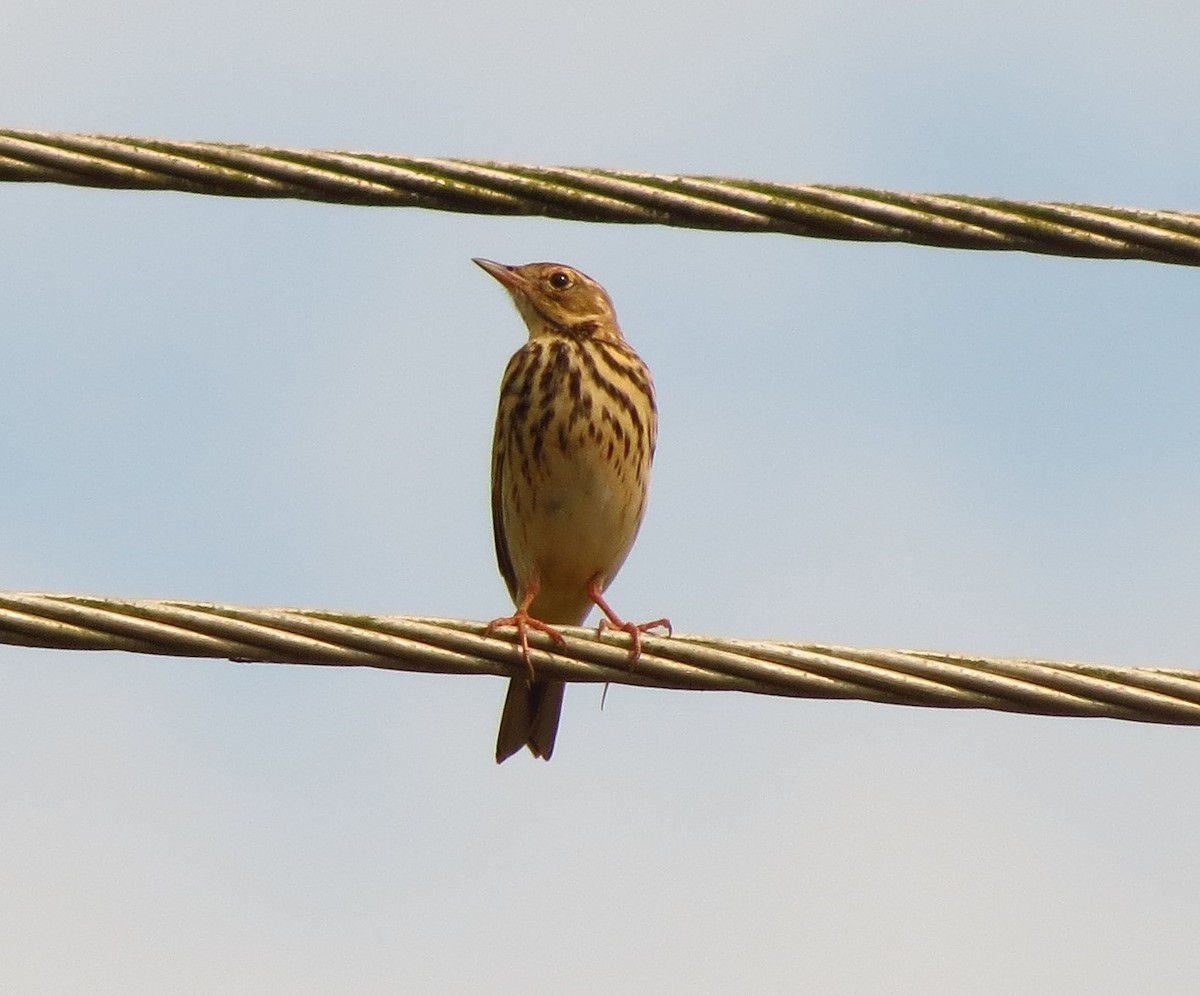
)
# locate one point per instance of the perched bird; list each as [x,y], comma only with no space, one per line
[575,435]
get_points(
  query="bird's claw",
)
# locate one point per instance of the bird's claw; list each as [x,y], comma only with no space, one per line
[523,622]
[635,631]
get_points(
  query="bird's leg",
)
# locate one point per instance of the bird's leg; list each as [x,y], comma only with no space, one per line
[612,621]
[524,622]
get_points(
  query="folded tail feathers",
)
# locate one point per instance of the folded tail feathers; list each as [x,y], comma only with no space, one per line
[530,718]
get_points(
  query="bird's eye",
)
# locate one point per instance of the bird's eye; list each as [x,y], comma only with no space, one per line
[560,280]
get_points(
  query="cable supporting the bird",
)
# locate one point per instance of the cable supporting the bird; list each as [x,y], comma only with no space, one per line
[456,646]
[601,195]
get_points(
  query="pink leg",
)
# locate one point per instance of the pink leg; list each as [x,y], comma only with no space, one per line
[612,621]
[524,622]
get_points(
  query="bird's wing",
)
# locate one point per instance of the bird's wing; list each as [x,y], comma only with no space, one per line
[503,557]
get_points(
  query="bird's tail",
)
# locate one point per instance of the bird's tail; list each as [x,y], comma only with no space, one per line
[530,717]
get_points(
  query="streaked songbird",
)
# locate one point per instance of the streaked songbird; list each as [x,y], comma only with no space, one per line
[575,436]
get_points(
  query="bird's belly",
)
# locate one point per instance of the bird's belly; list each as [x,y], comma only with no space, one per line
[580,523]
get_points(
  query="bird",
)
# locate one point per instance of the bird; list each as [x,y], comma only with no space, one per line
[576,429]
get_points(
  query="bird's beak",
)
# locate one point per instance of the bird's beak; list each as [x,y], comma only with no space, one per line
[505,274]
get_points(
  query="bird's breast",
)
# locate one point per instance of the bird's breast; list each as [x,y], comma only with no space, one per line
[576,444]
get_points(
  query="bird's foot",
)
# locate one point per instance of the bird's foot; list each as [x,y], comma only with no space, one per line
[523,622]
[635,631]
[614,622]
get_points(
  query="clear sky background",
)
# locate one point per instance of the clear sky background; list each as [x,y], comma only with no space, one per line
[876,445]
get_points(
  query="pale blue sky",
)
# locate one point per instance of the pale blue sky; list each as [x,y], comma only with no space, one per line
[877,445]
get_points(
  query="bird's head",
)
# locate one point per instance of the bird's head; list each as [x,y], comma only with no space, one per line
[556,299]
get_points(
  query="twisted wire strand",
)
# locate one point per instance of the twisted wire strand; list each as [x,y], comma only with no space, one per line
[601,195]
[456,646]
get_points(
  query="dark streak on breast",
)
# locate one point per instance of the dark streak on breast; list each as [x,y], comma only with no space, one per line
[540,427]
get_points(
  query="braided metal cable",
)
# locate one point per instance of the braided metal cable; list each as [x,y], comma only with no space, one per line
[454,646]
[855,213]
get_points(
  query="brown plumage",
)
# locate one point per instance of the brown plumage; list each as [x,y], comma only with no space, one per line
[575,436]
